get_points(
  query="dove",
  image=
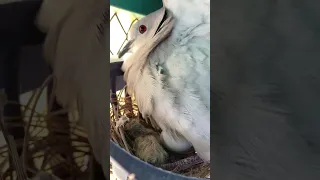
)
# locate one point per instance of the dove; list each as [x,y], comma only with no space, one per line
[75,48]
[168,71]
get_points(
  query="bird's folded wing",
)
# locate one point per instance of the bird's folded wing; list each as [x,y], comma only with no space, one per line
[189,69]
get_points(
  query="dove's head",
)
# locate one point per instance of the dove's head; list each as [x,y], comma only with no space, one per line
[157,23]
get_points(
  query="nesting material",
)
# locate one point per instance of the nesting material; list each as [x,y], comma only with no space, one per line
[54,145]
[141,138]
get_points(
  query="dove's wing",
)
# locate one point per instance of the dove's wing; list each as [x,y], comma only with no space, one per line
[188,70]
[188,67]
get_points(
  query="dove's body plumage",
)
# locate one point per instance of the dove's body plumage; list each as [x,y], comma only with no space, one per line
[174,87]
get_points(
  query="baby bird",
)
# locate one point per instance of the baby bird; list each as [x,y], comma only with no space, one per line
[146,142]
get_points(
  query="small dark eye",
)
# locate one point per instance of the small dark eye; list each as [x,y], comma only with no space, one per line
[142,29]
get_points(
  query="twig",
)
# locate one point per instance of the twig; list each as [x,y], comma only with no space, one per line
[21,173]
[10,142]
[183,164]
[26,137]
[116,117]
[26,107]
[29,103]
[114,138]
[124,140]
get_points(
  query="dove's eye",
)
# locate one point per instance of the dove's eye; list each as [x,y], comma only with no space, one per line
[142,29]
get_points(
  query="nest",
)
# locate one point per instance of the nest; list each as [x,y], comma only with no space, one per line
[53,146]
[140,137]
[54,143]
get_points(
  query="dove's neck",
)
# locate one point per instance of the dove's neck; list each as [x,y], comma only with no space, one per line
[161,53]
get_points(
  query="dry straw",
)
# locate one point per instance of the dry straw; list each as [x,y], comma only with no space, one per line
[35,146]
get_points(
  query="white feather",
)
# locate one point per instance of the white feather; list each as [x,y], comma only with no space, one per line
[179,99]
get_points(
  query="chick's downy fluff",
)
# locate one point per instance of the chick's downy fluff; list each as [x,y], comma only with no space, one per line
[169,72]
[146,143]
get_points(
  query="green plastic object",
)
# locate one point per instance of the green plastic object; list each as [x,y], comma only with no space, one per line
[142,7]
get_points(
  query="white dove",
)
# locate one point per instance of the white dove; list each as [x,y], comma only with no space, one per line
[75,47]
[168,71]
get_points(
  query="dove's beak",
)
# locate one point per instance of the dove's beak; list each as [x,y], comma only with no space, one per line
[126,48]
[166,20]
